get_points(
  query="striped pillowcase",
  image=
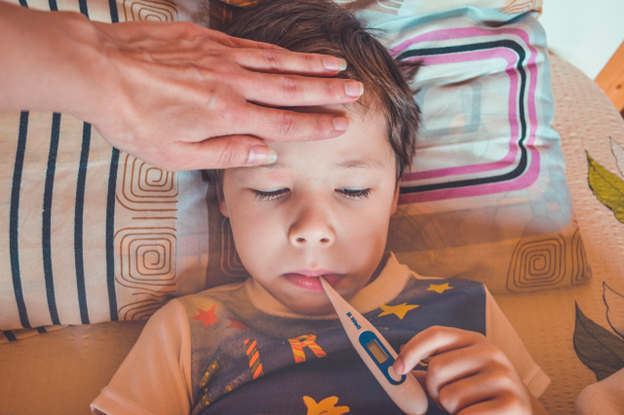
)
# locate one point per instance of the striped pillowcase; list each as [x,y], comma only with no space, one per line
[94,234]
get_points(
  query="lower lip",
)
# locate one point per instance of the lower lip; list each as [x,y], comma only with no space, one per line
[312,284]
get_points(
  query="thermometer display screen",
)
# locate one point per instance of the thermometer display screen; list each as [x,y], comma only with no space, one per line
[376,350]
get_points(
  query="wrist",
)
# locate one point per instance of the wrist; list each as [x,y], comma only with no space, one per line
[53,60]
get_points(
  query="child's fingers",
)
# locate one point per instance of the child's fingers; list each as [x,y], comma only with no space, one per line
[421,377]
[450,367]
[484,386]
[490,407]
[437,339]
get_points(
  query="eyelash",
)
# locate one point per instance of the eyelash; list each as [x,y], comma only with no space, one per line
[276,194]
[355,194]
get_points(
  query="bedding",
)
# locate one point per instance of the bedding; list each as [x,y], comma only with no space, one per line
[575,333]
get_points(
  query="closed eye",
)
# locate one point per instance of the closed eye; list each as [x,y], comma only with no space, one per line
[272,195]
[357,194]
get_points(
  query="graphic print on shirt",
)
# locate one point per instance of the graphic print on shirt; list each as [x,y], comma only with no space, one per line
[204,382]
[325,407]
[439,288]
[206,316]
[254,358]
[237,324]
[399,310]
[259,353]
[299,343]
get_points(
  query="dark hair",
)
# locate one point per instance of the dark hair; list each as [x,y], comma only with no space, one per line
[322,26]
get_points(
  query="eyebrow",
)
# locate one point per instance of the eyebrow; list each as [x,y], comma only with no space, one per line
[360,163]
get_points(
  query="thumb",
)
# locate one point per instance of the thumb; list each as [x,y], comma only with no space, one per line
[226,152]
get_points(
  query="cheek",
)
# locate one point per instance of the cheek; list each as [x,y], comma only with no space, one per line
[256,236]
[368,227]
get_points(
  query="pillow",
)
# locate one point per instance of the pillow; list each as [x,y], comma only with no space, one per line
[487,198]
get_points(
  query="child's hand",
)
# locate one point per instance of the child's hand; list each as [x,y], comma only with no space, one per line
[467,374]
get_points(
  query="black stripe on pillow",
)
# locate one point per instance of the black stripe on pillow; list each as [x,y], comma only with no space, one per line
[522,164]
[110,234]
[79,221]
[53,5]
[46,220]
[112,4]
[9,335]
[83,7]
[14,219]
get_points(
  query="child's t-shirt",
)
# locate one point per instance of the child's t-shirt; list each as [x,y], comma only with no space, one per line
[235,350]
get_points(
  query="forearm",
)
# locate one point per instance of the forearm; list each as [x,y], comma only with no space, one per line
[49,61]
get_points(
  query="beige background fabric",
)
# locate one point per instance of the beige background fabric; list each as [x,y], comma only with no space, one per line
[586,120]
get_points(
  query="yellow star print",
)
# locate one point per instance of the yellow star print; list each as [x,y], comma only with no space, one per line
[439,288]
[325,407]
[400,310]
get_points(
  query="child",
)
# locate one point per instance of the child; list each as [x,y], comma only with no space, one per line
[273,345]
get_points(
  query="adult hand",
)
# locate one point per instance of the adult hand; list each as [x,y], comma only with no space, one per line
[176,95]
[466,373]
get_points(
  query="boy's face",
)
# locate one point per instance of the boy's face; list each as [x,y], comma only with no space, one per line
[322,209]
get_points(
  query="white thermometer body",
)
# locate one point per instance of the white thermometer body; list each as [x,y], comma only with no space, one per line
[378,356]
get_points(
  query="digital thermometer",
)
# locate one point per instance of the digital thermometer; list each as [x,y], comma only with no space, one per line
[378,355]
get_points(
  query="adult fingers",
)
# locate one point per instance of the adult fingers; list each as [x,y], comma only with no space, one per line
[237,42]
[272,124]
[220,153]
[293,90]
[284,61]
[431,341]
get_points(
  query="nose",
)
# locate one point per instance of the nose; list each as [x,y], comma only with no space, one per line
[311,228]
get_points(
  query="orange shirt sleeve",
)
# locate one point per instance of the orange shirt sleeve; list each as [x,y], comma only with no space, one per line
[155,376]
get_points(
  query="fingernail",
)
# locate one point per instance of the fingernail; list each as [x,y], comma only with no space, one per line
[341,123]
[354,89]
[399,366]
[261,155]
[334,64]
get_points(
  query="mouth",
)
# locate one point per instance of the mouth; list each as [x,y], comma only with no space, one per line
[309,280]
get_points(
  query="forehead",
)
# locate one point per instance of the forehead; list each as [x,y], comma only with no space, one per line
[364,146]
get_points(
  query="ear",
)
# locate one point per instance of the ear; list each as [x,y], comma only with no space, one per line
[222,205]
[395,200]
